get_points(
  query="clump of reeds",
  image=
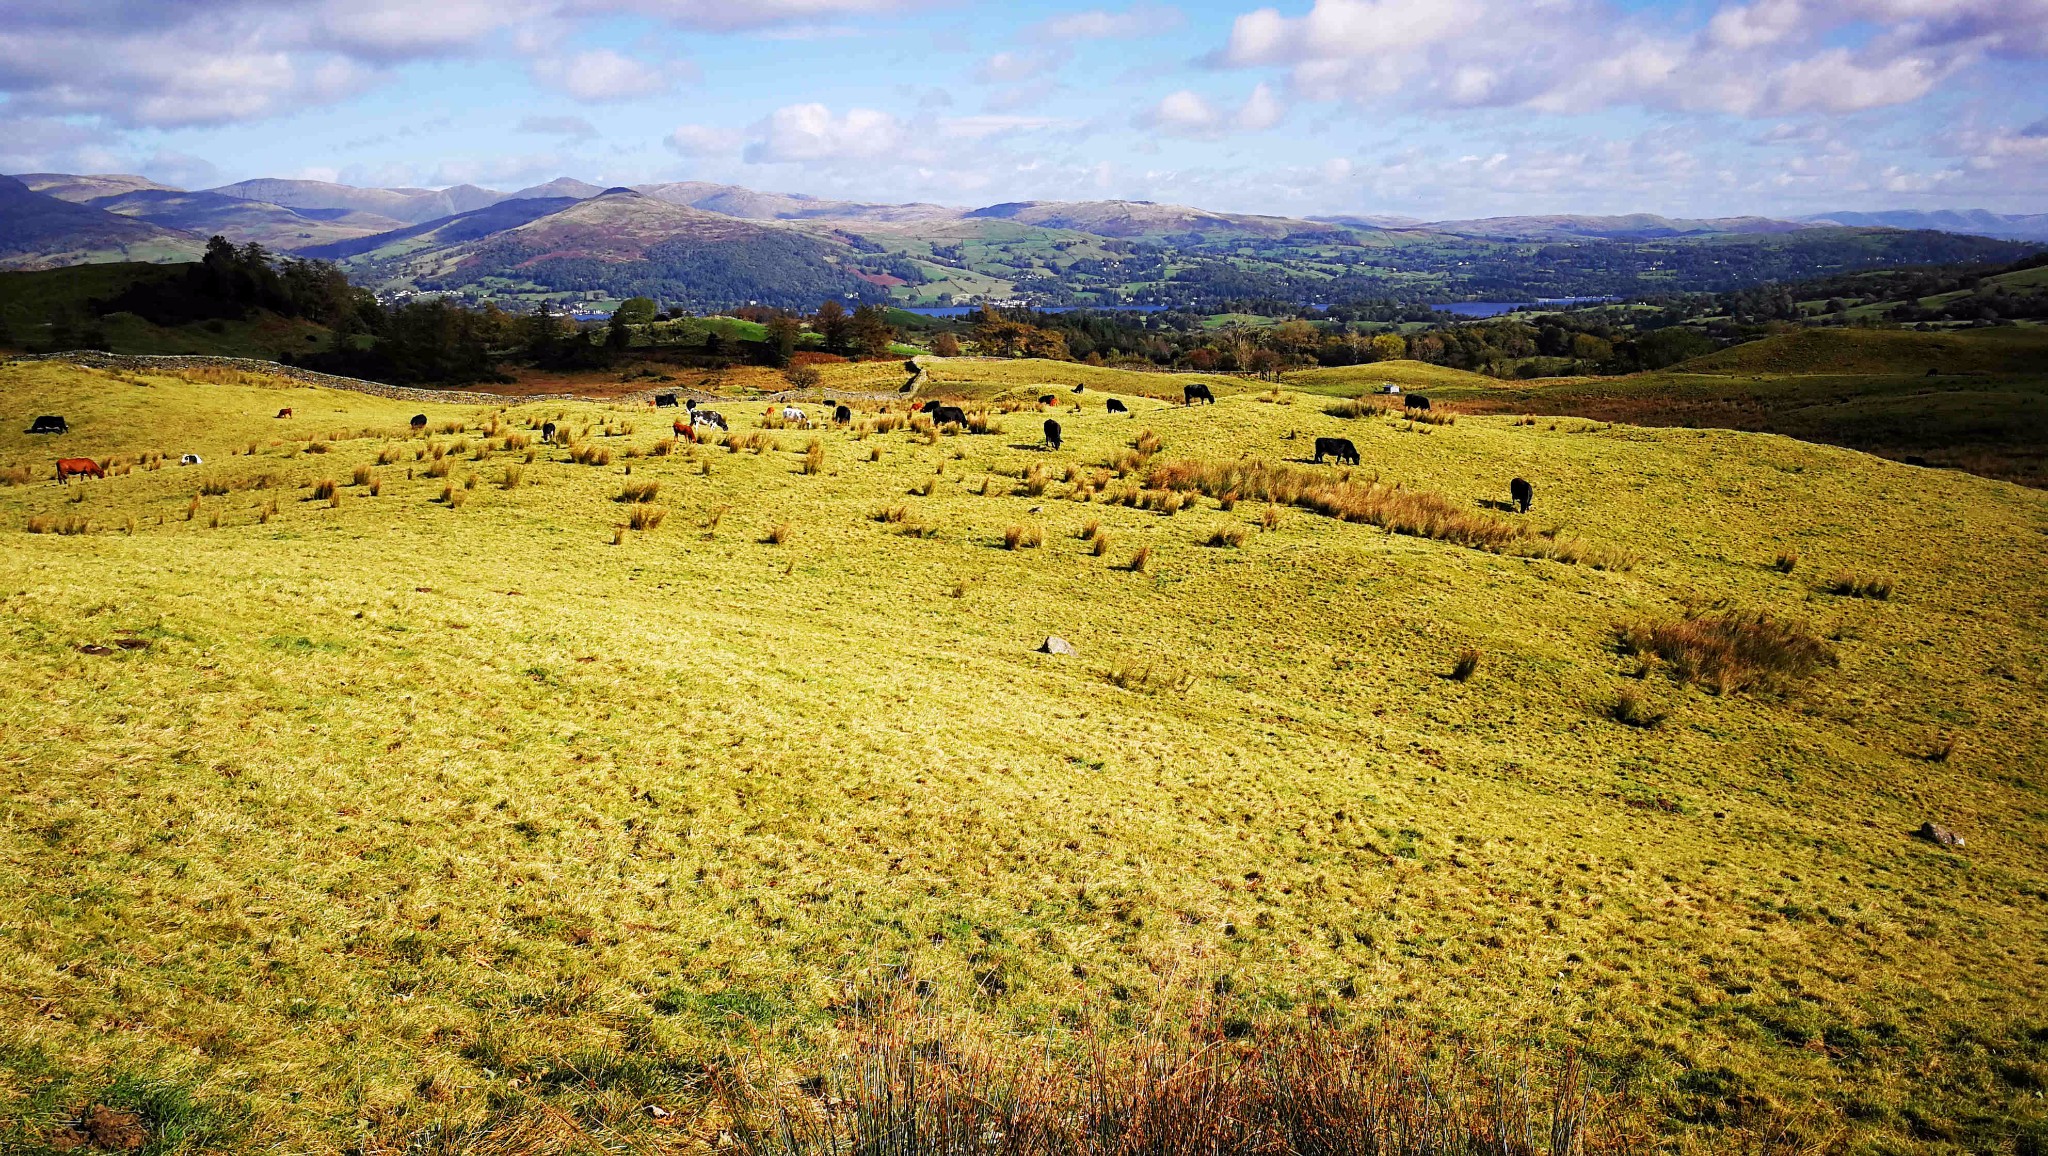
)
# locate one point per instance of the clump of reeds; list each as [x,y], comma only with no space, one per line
[1786,562]
[1140,559]
[1355,408]
[361,477]
[1466,665]
[1859,586]
[513,478]
[638,492]
[1728,652]
[646,517]
[1033,483]
[814,457]
[778,534]
[323,489]
[1226,536]
[1022,537]
[588,455]
[1630,708]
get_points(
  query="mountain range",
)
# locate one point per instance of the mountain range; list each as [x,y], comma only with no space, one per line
[702,244]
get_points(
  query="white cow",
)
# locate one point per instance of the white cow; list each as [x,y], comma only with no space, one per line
[792,413]
[191,460]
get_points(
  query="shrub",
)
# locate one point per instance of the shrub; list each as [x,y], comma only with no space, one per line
[1630,709]
[1022,537]
[1728,652]
[512,479]
[1859,586]
[662,448]
[1786,562]
[1146,443]
[778,534]
[1467,664]
[361,477]
[440,468]
[376,486]
[646,517]
[874,453]
[638,492]
[323,489]
[1228,501]
[1034,482]
[814,457]
[1269,518]
[1226,536]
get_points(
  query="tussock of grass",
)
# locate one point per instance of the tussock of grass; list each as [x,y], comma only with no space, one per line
[1467,664]
[1728,652]
[1355,407]
[1141,558]
[585,455]
[778,534]
[638,492]
[513,478]
[323,489]
[1630,708]
[1786,561]
[814,457]
[646,517]
[1226,536]
[1859,586]
[1022,537]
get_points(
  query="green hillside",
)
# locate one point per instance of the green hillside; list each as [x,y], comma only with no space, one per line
[453,813]
[1881,351]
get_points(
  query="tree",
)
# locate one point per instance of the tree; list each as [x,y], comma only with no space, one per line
[635,311]
[834,326]
[870,333]
[618,337]
[783,333]
[1389,347]
[946,345]
[803,377]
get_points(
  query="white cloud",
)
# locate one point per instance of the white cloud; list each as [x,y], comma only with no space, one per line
[1012,67]
[1188,113]
[811,134]
[574,127]
[1138,20]
[604,75]
[693,140]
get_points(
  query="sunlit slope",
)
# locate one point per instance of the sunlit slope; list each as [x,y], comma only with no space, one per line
[405,799]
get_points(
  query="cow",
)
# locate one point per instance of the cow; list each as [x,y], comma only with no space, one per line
[842,415]
[547,432]
[690,403]
[663,400]
[1523,493]
[1197,392]
[949,413]
[792,413]
[1116,406]
[1339,448]
[1046,399]
[1052,433]
[678,426]
[1077,387]
[191,460]
[1415,401]
[931,406]
[68,468]
[285,412]
[419,423]
[707,417]
[49,423]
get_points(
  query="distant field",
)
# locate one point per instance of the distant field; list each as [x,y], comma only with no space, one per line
[1353,380]
[455,814]
[1984,409]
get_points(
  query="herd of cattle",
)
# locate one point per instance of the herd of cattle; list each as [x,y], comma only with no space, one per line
[1339,450]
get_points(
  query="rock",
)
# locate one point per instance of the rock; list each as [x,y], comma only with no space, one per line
[1057,645]
[1936,833]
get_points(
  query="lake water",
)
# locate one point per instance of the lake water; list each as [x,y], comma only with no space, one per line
[966,310]
[1496,308]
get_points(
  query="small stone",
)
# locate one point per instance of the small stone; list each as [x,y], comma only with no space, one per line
[1936,833]
[1057,645]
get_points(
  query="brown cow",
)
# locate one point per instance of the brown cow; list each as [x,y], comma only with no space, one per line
[68,468]
[285,412]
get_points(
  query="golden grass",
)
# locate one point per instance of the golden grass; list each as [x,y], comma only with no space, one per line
[464,831]
[1729,651]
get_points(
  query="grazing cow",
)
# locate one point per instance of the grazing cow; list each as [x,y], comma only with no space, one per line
[49,423]
[949,413]
[1077,387]
[1047,398]
[1197,392]
[191,460]
[1116,406]
[1523,493]
[1415,401]
[285,412]
[662,400]
[842,415]
[931,406]
[1339,448]
[1052,433]
[792,413]
[707,417]
[419,423]
[679,427]
[547,432]
[69,468]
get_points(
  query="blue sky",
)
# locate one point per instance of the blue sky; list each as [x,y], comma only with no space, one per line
[1428,108]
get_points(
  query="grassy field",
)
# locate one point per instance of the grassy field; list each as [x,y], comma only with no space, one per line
[453,813]
[1976,401]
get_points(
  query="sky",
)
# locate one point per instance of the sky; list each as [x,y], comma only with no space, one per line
[1436,109]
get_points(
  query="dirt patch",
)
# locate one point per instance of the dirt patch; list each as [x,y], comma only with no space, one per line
[104,1128]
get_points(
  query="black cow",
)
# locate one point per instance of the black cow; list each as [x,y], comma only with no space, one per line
[664,399]
[931,406]
[49,423]
[1523,493]
[1116,406]
[1077,387]
[1339,448]
[949,413]
[547,432]
[690,403]
[1046,399]
[1052,433]
[842,415]
[1198,392]
[1416,401]
[419,422]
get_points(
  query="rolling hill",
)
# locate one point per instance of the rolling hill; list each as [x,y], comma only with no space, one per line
[275,227]
[1635,226]
[2009,226]
[38,231]
[409,206]
[1126,219]
[457,792]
